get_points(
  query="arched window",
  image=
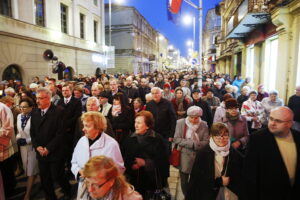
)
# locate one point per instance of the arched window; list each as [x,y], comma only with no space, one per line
[12,72]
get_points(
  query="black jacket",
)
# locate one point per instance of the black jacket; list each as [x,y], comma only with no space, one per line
[131,92]
[203,185]
[72,111]
[47,131]
[153,151]
[143,92]
[164,116]
[266,177]
[207,114]
[294,104]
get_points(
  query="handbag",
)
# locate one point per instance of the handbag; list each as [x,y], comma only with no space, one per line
[175,153]
[159,193]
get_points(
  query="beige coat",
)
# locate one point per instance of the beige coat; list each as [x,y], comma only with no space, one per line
[189,146]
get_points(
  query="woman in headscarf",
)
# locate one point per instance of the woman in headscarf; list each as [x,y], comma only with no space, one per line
[180,103]
[217,170]
[191,134]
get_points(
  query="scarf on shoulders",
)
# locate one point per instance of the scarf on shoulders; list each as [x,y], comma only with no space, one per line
[24,120]
[116,110]
[191,131]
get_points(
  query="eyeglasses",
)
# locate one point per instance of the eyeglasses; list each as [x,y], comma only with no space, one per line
[23,107]
[95,185]
[219,137]
[41,98]
[277,120]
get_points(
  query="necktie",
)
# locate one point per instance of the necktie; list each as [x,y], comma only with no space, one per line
[66,101]
[42,113]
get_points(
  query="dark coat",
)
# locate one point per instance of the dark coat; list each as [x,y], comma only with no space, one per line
[203,185]
[110,94]
[175,106]
[266,177]
[207,114]
[165,117]
[131,92]
[153,151]
[47,131]
[72,111]
[143,92]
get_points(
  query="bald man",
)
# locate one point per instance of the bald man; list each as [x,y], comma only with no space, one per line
[272,163]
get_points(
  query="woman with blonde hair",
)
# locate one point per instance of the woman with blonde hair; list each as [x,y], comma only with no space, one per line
[95,142]
[103,180]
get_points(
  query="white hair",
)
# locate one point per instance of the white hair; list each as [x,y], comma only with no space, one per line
[45,90]
[148,96]
[9,89]
[93,99]
[155,89]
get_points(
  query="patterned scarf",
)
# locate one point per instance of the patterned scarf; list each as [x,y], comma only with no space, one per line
[24,120]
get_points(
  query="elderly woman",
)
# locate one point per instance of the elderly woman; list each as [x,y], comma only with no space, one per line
[220,111]
[28,153]
[269,103]
[191,134]
[145,156]
[253,110]
[180,103]
[237,124]
[95,142]
[103,180]
[217,169]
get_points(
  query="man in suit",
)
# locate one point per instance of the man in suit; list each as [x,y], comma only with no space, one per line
[272,160]
[72,111]
[47,137]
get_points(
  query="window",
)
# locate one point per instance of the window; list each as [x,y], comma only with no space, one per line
[5,8]
[39,12]
[82,25]
[95,30]
[270,63]
[64,18]
[250,62]
[95,2]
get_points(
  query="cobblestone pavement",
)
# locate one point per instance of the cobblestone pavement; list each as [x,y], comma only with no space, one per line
[37,193]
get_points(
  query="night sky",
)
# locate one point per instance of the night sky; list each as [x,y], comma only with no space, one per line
[155,12]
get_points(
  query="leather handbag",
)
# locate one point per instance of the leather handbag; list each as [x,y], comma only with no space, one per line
[176,151]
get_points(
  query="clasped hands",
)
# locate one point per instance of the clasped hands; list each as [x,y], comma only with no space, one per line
[43,151]
[139,162]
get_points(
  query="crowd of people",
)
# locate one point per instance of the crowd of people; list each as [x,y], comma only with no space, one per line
[114,134]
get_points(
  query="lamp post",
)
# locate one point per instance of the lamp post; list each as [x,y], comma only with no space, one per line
[199,8]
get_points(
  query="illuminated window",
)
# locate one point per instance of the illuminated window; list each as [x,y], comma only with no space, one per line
[270,63]
[39,12]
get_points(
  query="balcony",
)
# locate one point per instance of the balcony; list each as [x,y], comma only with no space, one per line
[249,15]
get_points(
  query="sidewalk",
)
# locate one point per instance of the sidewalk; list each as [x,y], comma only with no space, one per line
[174,184]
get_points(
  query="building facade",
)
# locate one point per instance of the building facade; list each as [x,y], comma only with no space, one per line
[72,29]
[136,42]
[261,39]
[211,32]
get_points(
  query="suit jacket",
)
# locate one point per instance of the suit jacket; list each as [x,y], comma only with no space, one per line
[47,131]
[266,176]
[72,111]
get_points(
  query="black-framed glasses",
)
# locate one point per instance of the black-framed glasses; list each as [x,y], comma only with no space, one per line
[95,185]
[278,120]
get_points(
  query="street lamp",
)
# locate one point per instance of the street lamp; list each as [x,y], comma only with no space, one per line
[109,16]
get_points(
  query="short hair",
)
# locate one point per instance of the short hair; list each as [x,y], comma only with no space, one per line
[28,100]
[111,171]
[78,88]
[228,87]
[45,90]
[94,99]
[138,99]
[155,88]
[218,128]
[9,89]
[7,99]
[273,92]
[97,118]
[147,96]
[148,117]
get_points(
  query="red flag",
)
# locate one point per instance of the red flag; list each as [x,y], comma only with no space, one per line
[175,6]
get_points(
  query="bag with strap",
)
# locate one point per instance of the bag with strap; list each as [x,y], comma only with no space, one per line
[176,151]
